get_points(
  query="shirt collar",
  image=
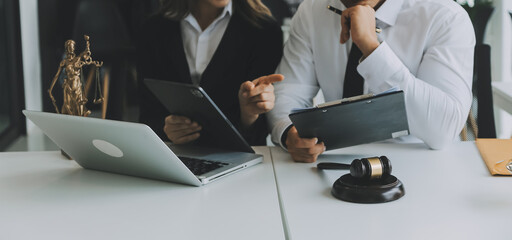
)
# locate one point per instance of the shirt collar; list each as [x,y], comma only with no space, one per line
[388,11]
[227,11]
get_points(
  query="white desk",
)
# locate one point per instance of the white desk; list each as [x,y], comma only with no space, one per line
[43,196]
[502,95]
[449,195]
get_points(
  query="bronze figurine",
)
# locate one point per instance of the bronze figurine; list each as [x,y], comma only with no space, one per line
[74,97]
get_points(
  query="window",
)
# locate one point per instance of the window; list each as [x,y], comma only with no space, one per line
[12,122]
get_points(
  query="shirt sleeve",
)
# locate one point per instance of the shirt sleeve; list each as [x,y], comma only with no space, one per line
[300,85]
[438,96]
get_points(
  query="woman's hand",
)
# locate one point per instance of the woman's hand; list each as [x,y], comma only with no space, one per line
[257,97]
[181,129]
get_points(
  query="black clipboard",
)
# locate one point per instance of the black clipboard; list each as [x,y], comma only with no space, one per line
[353,121]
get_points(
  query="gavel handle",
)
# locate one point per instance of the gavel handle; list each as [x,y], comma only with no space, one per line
[332,166]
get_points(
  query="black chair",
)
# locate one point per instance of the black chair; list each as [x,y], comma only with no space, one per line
[481,118]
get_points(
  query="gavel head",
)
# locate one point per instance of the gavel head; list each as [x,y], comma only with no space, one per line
[371,168]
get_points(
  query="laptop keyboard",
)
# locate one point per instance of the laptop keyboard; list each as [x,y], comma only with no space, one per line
[200,166]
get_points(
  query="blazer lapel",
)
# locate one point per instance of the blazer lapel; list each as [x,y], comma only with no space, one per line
[176,52]
[225,52]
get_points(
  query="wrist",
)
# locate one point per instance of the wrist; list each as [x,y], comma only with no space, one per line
[247,119]
[284,136]
[368,48]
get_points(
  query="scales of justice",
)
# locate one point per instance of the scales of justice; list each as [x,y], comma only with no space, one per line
[74,95]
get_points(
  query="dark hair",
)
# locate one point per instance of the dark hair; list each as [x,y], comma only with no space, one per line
[253,11]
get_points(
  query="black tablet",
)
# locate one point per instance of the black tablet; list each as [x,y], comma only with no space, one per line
[192,101]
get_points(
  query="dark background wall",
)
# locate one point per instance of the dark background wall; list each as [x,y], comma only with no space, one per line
[12,122]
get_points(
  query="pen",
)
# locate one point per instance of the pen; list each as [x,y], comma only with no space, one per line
[337,11]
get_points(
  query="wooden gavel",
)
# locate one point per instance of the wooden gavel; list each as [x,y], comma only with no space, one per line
[364,168]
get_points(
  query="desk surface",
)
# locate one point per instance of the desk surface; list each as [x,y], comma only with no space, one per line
[503,95]
[449,195]
[44,196]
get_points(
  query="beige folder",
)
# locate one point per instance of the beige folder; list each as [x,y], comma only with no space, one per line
[497,154]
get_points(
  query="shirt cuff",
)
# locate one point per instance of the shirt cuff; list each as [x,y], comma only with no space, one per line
[379,69]
[278,131]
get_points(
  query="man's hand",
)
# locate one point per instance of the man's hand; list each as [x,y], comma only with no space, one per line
[303,149]
[257,97]
[181,129]
[359,22]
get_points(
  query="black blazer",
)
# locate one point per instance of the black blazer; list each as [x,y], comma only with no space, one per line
[244,53]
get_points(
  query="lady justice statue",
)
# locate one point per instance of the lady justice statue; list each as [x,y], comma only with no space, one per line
[74,98]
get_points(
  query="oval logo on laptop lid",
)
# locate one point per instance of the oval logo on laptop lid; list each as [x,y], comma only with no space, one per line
[107,148]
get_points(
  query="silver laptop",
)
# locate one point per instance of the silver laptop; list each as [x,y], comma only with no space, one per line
[134,149]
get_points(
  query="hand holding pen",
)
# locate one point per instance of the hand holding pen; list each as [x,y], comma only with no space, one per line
[358,22]
[339,12]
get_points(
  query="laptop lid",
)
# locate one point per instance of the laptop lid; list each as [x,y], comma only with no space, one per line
[129,148]
[192,101]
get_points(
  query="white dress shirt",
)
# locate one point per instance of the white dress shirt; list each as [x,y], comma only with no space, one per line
[201,45]
[426,50]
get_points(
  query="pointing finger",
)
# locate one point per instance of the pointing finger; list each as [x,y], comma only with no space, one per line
[270,79]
